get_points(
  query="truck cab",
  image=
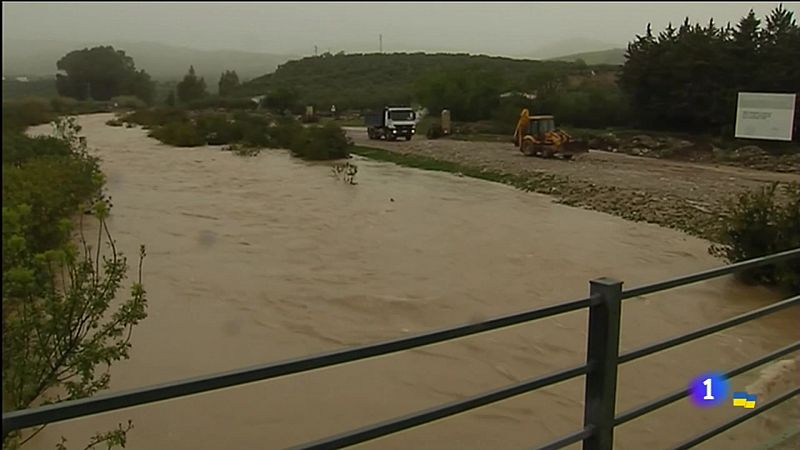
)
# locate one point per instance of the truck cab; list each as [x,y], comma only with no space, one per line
[392,123]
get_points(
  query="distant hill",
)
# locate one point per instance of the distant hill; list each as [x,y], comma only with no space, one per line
[613,56]
[369,80]
[567,47]
[162,62]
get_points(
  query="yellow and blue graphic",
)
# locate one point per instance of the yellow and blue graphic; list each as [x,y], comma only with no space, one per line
[744,400]
[709,389]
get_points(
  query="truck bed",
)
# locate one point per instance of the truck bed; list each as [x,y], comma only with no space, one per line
[373,120]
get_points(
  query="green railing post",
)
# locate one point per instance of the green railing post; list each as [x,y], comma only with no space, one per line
[601,356]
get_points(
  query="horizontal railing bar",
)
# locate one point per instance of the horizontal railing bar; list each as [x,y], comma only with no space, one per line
[439,412]
[93,405]
[629,415]
[567,440]
[736,421]
[712,273]
[672,342]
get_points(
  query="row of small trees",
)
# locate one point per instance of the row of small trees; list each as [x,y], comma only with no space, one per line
[193,88]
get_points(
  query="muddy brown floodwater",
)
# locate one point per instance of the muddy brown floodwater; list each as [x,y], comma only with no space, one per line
[252,260]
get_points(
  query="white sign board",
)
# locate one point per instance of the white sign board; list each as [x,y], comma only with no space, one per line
[765,116]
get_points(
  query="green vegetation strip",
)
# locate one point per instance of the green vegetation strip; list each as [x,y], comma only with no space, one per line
[533,182]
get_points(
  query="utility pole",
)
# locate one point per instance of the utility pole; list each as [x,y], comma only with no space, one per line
[316,50]
[380,42]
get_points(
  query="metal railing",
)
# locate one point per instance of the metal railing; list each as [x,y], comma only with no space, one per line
[602,361]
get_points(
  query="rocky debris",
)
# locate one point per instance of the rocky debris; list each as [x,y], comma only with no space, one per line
[643,141]
[701,150]
[607,141]
[755,157]
[748,151]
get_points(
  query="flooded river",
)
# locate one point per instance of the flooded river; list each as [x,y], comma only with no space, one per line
[252,260]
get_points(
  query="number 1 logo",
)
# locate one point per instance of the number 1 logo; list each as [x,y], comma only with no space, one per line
[709,389]
[708,383]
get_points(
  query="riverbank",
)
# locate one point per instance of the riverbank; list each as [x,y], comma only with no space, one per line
[689,197]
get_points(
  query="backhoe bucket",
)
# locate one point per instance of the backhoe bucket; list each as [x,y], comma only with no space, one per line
[575,147]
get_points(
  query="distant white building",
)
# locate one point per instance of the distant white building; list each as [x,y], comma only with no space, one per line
[21,79]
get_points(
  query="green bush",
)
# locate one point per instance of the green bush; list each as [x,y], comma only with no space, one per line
[53,187]
[128,101]
[435,132]
[179,134]
[18,148]
[20,114]
[222,103]
[66,105]
[64,321]
[322,143]
[218,130]
[50,178]
[760,223]
[246,130]
[286,131]
[153,117]
[255,129]
[63,104]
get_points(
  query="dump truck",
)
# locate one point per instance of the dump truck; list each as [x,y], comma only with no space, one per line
[538,136]
[391,123]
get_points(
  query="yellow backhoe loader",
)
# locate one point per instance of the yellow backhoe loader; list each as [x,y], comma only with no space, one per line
[538,136]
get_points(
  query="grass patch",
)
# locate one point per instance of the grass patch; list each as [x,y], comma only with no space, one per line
[352,122]
[530,182]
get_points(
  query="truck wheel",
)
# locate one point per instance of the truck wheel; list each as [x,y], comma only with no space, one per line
[408,138]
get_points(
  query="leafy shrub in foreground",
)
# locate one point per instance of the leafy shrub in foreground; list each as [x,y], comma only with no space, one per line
[19,114]
[761,223]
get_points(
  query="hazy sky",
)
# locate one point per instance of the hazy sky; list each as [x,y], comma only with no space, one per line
[495,28]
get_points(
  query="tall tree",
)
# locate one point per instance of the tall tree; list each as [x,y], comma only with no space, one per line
[101,73]
[281,99]
[228,82]
[780,70]
[470,95]
[191,87]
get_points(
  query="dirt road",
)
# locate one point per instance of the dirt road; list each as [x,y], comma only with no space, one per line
[686,196]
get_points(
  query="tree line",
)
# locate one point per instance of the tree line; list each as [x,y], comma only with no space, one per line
[103,73]
[688,78]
